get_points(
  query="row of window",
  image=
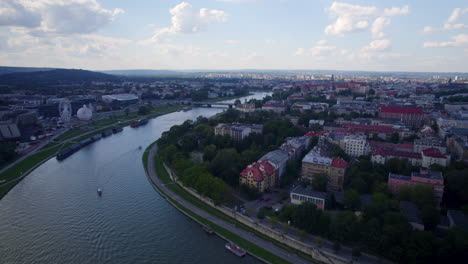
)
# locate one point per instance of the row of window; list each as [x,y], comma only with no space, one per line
[303,198]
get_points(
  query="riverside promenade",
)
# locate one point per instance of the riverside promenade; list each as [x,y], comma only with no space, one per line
[292,258]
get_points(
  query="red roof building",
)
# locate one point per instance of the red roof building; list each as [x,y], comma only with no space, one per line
[259,175]
[382,155]
[411,116]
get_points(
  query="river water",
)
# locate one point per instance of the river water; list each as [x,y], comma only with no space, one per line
[55,216]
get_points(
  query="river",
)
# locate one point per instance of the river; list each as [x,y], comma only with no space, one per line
[55,216]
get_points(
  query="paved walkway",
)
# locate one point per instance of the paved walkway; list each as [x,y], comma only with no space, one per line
[228,226]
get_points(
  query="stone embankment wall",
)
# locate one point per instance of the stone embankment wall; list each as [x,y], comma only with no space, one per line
[315,252]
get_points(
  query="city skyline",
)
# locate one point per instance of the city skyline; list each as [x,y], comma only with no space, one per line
[428,36]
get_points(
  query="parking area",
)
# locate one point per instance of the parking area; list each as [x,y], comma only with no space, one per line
[269,200]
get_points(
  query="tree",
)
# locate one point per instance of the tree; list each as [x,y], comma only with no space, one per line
[351,199]
[226,166]
[430,217]
[144,110]
[7,152]
[209,152]
[319,182]
[356,252]
[237,102]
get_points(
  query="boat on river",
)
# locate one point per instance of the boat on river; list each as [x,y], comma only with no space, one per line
[99,191]
[139,123]
[208,230]
[235,249]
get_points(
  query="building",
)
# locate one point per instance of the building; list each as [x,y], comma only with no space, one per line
[429,142]
[434,156]
[300,195]
[411,116]
[277,107]
[120,100]
[246,108]
[335,168]
[382,155]
[295,146]
[237,131]
[259,176]
[434,179]
[278,159]
[356,145]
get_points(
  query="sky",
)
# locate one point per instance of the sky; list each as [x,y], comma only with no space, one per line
[379,35]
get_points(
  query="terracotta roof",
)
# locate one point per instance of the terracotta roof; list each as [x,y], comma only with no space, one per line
[434,153]
[259,170]
[339,163]
[380,144]
[395,153]
[401,110]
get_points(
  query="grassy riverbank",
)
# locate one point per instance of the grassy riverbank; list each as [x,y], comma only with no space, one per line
[254,249]
[22,168]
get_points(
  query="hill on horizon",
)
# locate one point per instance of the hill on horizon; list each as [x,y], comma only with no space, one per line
[54,77]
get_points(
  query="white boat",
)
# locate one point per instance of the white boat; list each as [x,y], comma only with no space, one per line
[99,191]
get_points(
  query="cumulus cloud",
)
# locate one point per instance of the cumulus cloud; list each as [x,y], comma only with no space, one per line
[13,13]
[187,19]
[57,16]
[378,26]
[353,18]
[451,23]
[460,40]
[377,45]
[395,11]
[321,48]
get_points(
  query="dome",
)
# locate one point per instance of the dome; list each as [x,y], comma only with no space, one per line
[84,113]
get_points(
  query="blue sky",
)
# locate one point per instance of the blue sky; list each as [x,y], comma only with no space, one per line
[421,35]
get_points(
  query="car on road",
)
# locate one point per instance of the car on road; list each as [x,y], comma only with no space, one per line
[267,199]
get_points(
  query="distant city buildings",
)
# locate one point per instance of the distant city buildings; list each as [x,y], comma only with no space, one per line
[120,100]
[237,131]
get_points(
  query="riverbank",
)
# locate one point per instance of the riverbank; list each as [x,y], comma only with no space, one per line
[12,175]
[260,246]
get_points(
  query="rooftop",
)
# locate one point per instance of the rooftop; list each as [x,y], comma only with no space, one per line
[401,110]
[308,192]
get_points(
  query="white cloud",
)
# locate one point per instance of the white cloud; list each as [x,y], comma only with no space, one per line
[321,48]
[377,45]
[353,18]
[460,40]
[378,26]
[456,13]
[394,11]
[253,57]
[186,19]
[451,23]
[57,16]
[13,13]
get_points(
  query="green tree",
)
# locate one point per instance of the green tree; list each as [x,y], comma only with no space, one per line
[144,110]
[430,217]
[351,199]
[209,152]
[319,182]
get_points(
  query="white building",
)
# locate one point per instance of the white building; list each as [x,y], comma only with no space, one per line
[356,145]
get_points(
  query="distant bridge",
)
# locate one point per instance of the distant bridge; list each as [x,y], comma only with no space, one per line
[212,104]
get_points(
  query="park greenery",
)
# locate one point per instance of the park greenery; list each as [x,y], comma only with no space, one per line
[223,158]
